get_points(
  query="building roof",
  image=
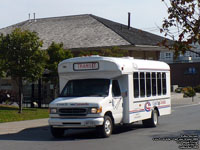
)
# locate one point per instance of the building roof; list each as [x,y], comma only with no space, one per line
[132,35]
[85,31]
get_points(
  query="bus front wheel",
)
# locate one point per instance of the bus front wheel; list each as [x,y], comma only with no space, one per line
[106,129]
[57,132]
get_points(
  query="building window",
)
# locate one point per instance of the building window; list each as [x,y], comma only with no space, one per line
[191,70]
[168,55]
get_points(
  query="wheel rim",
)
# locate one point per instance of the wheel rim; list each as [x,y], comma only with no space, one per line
[108,127]
[155,118]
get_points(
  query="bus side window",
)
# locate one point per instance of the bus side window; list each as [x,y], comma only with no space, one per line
[153,83]
[115,88]
[164,87]
[142,84]
[159,83]
[148,84]
[136,84]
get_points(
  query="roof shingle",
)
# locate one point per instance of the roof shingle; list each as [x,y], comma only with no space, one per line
[85,31]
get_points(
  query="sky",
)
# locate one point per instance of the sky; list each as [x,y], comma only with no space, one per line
[145,14]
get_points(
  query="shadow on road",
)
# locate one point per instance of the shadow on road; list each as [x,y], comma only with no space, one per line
[127,128]
[179,134]
[43,134]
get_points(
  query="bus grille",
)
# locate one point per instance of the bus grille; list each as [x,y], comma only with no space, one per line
[72,111]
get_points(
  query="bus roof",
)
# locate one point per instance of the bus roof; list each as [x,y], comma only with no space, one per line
[104,67]
[124,64]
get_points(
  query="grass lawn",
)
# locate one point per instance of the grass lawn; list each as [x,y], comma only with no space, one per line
[10,113]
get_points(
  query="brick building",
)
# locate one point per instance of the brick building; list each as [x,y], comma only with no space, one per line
[88,32]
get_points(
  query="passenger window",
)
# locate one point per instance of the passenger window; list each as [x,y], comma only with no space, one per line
[136,84]
[115,88]
[164,87]
[142,84]
[148,84]
[153,83]
[159,83]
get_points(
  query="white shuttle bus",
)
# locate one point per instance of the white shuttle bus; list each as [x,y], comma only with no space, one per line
[100,92]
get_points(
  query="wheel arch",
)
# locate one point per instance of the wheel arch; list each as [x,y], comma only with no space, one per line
[109,113]
[156,108]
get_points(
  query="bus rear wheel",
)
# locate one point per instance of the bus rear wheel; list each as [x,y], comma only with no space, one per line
[153,121]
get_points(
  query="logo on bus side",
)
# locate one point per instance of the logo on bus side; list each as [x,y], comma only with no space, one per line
[147,106]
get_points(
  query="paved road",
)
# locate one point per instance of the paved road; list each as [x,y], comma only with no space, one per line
[183,120]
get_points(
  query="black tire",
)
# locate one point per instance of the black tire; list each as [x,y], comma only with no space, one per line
[106,129]
[153,121]
[57,132]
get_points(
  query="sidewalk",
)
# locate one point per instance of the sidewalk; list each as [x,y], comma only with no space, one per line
[177,99]
[14,127]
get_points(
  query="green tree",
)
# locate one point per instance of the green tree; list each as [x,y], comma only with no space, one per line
[2,70]
[2,63]
[114,52]
[88,53]
[24,60]
[56,54]
[183,22]
[109,52]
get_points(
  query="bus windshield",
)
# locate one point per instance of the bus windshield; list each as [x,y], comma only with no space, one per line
[86,87]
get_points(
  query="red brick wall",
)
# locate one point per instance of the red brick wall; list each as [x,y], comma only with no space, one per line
[183,76]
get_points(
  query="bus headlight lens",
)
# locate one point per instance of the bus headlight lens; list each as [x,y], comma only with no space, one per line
[53,110]
[96,110]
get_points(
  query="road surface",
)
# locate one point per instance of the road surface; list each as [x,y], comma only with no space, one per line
[183,123]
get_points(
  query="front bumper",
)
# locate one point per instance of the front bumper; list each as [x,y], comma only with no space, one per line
[76,123]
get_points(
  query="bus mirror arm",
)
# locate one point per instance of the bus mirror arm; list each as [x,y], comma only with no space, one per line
[124,94]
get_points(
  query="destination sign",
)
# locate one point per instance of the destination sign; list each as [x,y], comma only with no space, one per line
[86,66]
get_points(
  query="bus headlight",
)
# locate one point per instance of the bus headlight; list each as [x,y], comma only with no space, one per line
[52,110]
[96,110]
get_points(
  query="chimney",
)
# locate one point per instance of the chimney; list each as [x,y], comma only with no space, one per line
[129,20]
[34,17]
[29,17]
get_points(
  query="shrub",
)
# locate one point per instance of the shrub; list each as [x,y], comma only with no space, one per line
[8,97]
[197,89]
[178,90]
[188,92]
